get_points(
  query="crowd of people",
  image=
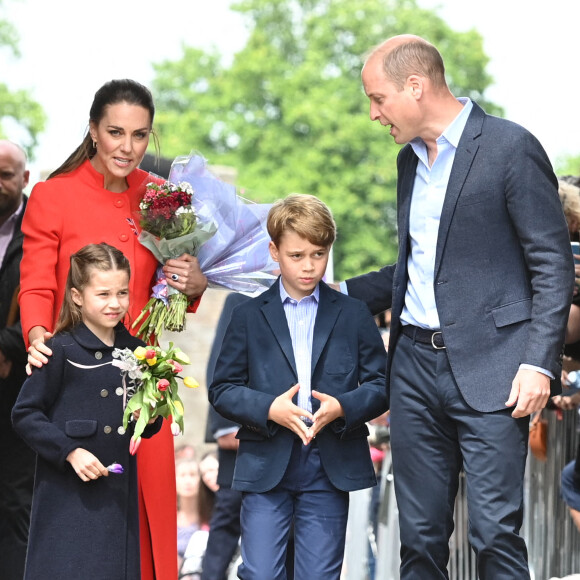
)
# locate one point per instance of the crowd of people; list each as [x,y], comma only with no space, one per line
[481,301]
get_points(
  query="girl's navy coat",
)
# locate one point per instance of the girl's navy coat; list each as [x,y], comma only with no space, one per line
[78,529]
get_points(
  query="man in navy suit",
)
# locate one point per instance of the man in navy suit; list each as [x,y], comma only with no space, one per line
[301,369]
[479,295]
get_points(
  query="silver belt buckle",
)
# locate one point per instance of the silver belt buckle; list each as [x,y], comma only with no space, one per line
[433,341]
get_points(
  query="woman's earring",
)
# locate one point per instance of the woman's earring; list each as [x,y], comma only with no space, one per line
[94,144]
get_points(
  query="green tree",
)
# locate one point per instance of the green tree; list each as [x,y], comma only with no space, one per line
[290,115]
[17,105]
[568,165]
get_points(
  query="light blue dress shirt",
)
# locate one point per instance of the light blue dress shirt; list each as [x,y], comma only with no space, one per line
[426,205]
[301,316]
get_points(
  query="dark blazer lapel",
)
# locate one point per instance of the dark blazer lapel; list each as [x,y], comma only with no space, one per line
[466,150]
[407,171]
[276,319]
[407,168]
[326,316]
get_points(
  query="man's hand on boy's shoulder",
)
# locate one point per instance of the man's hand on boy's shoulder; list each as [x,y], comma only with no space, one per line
[330,409]
[284,412]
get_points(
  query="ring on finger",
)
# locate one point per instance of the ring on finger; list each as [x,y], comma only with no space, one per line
[175,277]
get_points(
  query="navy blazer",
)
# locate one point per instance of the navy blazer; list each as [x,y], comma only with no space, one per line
[256,364]
[504,272]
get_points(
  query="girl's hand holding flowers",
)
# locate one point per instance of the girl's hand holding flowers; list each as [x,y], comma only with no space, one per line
[86,465]
[150,379]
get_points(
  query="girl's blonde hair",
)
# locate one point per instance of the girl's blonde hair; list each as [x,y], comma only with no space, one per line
[101,257]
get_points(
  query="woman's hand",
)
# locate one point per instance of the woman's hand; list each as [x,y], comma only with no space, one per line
[38,351]
[185,275]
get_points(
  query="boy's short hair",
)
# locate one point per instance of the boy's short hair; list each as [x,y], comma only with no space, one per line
[305,215]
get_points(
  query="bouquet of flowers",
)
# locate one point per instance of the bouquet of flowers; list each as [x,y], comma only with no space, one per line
[204,217]
[149,379]
[169,228]
[237,256]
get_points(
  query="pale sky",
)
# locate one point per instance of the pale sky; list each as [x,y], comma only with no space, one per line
[70,48]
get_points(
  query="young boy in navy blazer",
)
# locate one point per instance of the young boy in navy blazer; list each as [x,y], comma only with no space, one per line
[301,369]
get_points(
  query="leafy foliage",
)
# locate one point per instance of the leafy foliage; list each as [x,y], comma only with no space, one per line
[290,114]
[17,105]
[568,165]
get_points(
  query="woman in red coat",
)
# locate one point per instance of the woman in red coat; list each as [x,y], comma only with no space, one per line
[93,197]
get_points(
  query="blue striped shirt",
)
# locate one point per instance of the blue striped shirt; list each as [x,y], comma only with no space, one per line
[301,316]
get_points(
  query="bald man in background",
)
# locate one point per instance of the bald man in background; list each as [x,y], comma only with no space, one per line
[17,460]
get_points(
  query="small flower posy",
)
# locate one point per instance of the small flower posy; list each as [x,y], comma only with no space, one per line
[150,380]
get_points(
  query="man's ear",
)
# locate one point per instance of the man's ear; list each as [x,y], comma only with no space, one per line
[415,86]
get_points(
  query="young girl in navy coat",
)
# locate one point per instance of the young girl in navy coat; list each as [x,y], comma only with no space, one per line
[84,521]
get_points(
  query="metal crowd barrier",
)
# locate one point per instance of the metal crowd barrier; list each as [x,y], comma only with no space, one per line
[552,539]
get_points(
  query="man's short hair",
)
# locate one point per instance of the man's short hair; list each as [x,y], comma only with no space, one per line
[305,215]
[417,56]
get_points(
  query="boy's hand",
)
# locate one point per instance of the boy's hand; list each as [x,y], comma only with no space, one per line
[284,412]
[330,409]
[86,465]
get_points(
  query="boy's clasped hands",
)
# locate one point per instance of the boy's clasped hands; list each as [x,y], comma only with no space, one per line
[286,413]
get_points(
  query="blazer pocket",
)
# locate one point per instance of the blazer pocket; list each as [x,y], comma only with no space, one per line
[80,428]
[512,313]
[360,432]
[340,363]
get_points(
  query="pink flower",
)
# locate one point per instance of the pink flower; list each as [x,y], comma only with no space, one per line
[150,353]
[177,368]
[162,384]
[134,445]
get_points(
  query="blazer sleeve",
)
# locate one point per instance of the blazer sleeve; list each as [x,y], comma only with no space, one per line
[535,210]
[30,415]
[230,393]
[369,399]
[374,288]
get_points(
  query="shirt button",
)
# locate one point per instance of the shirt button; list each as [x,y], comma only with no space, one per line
[119,203]
[107,429]
[121,430]
[119,391]
[123,237]
[104,393]
[98,355]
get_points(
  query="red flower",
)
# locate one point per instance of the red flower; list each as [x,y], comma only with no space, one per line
[162,384]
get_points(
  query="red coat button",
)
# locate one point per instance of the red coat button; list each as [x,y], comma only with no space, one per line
[119,203]
[123,237]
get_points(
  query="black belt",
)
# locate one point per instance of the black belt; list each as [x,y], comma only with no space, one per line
[433,338]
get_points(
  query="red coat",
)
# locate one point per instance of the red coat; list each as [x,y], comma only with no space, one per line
[63,215]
